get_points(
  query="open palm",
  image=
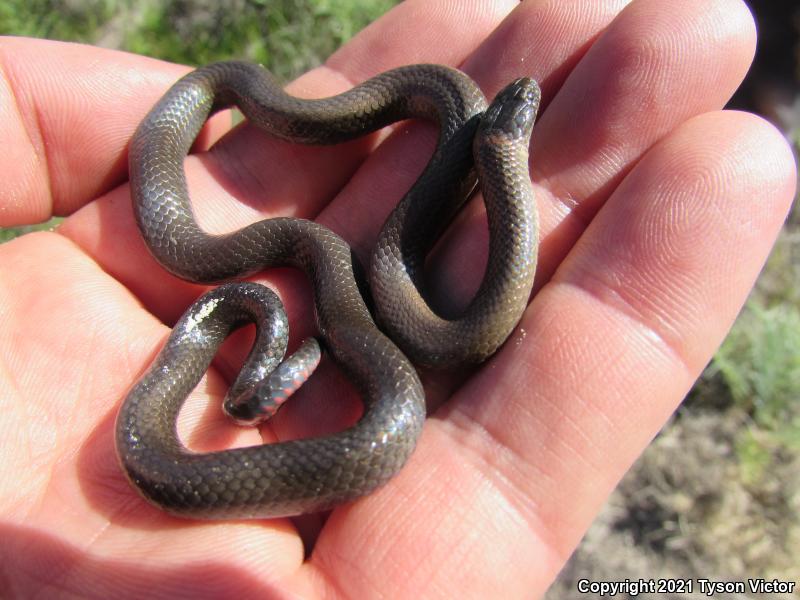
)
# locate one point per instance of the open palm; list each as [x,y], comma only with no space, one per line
[657,208]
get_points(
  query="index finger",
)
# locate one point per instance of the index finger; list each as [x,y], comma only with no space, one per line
[69,111]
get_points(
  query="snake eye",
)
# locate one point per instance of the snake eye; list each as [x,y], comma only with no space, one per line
[525,116]
[513,110]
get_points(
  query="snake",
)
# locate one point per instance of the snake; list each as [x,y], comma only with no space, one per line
[375,340]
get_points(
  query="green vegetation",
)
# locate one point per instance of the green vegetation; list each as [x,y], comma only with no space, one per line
[760,365]
[55,19]
[287,36]
[10,233]
[760,362]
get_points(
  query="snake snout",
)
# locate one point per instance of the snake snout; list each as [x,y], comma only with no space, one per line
[513,110]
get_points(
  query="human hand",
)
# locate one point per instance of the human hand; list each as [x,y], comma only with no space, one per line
[651,239]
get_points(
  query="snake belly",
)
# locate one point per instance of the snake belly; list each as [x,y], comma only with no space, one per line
[310,475]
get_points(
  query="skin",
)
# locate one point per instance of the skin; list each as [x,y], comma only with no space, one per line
[658,210]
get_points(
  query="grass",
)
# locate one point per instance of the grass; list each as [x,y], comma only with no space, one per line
[54,19]
[760,362]
[9,233]
[287,36]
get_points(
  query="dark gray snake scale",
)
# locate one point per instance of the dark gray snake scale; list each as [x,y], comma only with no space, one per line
[309,475]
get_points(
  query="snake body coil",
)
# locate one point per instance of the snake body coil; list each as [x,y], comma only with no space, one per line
[315,474]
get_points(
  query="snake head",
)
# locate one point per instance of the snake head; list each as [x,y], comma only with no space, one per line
[513,110]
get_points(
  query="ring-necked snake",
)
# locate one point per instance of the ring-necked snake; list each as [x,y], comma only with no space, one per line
[308,475]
